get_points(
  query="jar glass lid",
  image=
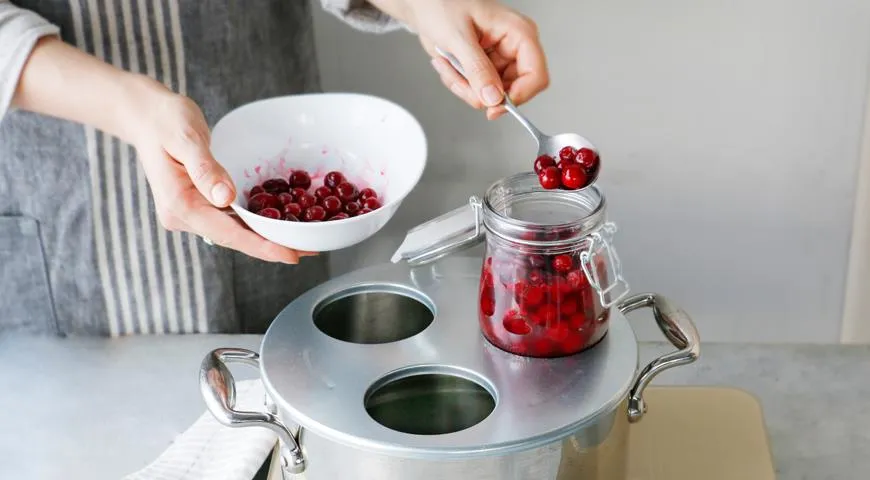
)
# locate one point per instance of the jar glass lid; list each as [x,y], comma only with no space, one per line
[513,207]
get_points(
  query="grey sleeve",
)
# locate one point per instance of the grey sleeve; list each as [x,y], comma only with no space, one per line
[19,31]
[362,15]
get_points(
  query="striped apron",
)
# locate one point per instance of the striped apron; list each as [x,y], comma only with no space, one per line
[81,249]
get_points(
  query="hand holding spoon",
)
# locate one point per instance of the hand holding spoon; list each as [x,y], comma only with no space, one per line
[550,145]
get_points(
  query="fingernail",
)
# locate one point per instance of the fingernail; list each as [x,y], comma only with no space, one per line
[221,193]
[436,64]
[457,90]
[490,95]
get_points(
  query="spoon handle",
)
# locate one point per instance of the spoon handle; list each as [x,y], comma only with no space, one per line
[506,102]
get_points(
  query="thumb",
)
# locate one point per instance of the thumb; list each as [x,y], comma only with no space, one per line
[209,177]
[478,69]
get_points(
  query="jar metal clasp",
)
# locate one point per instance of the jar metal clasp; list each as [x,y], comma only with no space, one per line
[616,290]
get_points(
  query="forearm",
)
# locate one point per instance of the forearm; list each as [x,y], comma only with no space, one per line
[397,9]
[62,81]
[366,16]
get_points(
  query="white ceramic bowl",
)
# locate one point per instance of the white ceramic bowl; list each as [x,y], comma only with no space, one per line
[375,142]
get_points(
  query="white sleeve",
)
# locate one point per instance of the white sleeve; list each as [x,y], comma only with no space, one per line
[362,15]
[19,31]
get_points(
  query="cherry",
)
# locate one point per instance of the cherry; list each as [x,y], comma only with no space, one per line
[332,179]
[293,209]
[336,199]
[587,158]
[550,178]
[575,279]
[352,208]
[314,214]
[276,186]
[347,192]
[568,307]
[542,162]
[577,321]
[270,213]
[372,203]
[301,179]
[567,153]
[516,325]
[307,201]
[367,193]
[550,313]
[263,200]
[533,295]
[563,263]
[331,204]
[573,177]
[323,192]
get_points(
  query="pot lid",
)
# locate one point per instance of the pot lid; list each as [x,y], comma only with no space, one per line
[328,364]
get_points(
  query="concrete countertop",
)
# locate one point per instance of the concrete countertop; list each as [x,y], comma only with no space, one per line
[99,409]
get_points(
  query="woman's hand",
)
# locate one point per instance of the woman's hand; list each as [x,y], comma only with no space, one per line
[498,48]
[188,184]
[168,131]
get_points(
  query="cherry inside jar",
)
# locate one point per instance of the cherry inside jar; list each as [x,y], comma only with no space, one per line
[550,273]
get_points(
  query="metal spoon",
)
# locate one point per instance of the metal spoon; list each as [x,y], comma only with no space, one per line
[547,144]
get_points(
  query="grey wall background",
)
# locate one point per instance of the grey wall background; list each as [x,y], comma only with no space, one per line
[730,133]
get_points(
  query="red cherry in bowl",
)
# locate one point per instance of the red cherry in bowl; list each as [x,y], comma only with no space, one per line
[276,186]
[270,213]
[263,200]
[307,201]
[314,214]
[333,179]
[367,193]
[372,203]
[323,192]
[347,192]
[293,209]
[301,179]
[331,204]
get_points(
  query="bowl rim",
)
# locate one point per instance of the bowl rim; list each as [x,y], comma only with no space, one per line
[324,224]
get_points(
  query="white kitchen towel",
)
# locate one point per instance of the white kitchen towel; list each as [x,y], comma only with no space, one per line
[211,451]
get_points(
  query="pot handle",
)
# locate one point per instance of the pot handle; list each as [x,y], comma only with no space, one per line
[218,388]
[679,330]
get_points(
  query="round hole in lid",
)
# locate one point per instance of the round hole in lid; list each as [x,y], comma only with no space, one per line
[429,401]
[372,315]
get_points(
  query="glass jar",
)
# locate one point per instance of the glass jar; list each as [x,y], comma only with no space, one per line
[549,274]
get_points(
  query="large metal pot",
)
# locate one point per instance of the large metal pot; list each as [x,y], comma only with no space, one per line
[383,374]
